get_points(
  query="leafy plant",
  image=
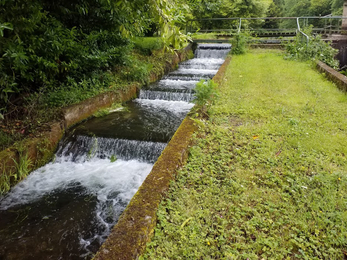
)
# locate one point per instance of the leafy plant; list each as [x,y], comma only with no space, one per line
[113,158]
[313,49]
[205,94]
[22,166]
[5,183]
[146,45]
[239,43]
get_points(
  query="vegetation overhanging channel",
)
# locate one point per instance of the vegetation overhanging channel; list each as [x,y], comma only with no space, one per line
[67,208]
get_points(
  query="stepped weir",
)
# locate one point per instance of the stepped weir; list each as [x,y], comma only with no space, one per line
[66,209]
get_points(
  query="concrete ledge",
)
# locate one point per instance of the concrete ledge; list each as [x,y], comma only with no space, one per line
[136,225]
[333,75]
[266,46]
[76,113]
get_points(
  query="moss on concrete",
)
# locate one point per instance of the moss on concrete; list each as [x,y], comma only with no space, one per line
[335,76]
[135,227]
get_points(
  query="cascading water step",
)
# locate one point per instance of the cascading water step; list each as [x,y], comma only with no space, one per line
[215,46]
[212,51]
[168,89]
[83,148]
[175,84]
[188,77]
[166,95]
[66,210]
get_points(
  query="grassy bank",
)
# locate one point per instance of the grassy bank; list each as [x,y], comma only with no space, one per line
[266,178]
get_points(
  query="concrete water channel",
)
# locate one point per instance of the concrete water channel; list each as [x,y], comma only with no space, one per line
[66,209]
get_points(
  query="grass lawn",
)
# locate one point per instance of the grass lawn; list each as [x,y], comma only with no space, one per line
[267,175]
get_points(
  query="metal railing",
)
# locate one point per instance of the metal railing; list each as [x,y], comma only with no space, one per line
[268,26]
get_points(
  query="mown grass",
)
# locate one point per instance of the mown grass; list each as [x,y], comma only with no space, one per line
[204,36]
[266,178]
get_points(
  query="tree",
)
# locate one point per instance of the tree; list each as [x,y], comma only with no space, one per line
[49,44]
[273,11]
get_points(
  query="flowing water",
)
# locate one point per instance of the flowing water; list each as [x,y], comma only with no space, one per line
[66,209]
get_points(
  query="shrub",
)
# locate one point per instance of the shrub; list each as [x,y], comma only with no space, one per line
[314,49]
[146,45]
[205,94]
[239,43]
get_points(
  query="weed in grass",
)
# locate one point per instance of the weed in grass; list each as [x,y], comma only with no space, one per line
[239,43]
[205,95]
[22,166]
[5,183]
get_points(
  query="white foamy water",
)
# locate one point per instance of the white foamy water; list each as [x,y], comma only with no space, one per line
[194,71]
[207,62]
[177,84]
[171,96]
[114,184]
[175,107]
[99,176]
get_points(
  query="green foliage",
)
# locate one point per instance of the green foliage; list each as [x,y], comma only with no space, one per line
[274,10]
[310,7]
[5,139]
[266,176]
[22,166]
[314,49]
[205,94]
[113,158]
[136,70]
[225,9]
[239,43]
[5,183]
[146,45]
[54,46]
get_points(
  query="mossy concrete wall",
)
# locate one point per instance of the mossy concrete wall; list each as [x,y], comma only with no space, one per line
[40,150]
[135,227]
[335,76]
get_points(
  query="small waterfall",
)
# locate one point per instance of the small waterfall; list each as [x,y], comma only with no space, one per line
[84,148]
[214,51]
[66,209]
[170,96]
[188,77]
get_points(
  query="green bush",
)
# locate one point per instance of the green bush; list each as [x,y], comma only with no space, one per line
[146,45]
[47,45]
[313,49]
[239,43]
[205,94]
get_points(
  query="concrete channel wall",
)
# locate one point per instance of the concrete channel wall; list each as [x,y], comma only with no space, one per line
[136,225]
[40,150]
[339,79]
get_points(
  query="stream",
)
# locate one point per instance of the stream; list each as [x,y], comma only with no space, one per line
[66,209]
